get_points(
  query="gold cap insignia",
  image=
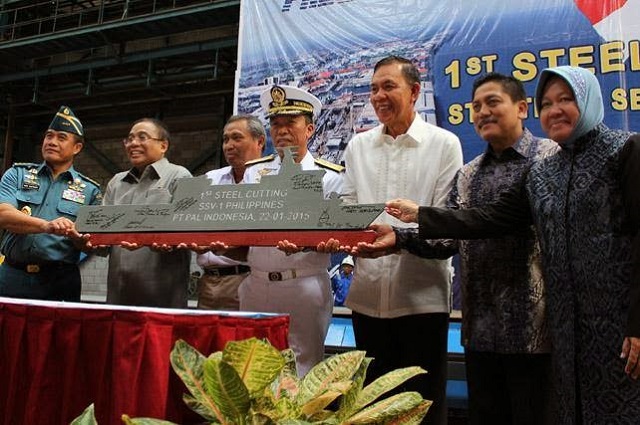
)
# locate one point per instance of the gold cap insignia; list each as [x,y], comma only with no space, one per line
[288,100]
[278,96]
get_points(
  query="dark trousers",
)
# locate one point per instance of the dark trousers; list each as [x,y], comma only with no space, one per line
[414,340]
[506,389]
[59,282]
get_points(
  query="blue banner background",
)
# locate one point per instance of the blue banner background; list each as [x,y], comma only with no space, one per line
[299,42]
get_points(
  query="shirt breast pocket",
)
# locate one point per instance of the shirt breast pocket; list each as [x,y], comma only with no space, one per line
[29,198]
[158,196]
[68,208]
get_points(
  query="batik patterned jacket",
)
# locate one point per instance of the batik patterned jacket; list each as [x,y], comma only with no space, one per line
[586,234]
[503,299]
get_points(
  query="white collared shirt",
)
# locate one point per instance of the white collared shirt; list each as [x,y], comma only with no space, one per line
[222,175]
[271,259]
[419,165]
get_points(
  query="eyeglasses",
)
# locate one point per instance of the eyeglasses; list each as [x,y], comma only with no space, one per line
[141,137]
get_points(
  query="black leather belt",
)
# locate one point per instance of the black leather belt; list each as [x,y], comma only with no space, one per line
[227,271]
[38,267]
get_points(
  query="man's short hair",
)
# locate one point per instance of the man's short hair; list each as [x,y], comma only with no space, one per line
[253,124]
[511,85]
[409,70]
[162,127]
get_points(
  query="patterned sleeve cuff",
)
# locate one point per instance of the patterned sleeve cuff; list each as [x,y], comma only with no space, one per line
[404,236]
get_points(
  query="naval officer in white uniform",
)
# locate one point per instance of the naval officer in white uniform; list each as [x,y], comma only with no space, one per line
[296,284]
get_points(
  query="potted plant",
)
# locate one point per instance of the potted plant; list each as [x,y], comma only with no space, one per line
[251,382]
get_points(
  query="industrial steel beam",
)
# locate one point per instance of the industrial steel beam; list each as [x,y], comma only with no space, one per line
[143,20]
[132,58]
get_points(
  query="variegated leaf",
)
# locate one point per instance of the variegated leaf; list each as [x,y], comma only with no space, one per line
[256,362]
[385,383]
[324,417]
[144,421]
[188,363]
[348,402]
[215,356]
[413,416]
[282,409]
[260,419]
[287,409]
[264,406]
[286,386]
[318,403]
[202,410]
[87,417]
[227,390]
[388,408]
[290,368]
[340,367]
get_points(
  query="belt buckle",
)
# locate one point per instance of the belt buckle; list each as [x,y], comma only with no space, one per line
[33,268]
[275,276]
[214,272]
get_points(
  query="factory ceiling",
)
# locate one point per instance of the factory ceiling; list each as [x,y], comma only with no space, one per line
[114,60]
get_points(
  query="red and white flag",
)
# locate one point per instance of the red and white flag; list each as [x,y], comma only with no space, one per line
[613,19]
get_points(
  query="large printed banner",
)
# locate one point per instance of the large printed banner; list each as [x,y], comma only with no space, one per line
[330,46]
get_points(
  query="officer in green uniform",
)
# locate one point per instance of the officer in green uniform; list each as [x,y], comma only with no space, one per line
[38,205]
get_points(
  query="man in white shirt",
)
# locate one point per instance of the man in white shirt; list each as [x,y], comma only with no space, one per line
[401,303]
[296,284]
[243,139]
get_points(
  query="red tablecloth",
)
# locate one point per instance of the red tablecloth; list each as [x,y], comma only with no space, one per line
[57,358]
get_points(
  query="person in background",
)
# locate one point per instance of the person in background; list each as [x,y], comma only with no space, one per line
[401,303]
[38,205]
[243,139]
[341,282]
[504,329]
[147,276]
[585,205]
[294,283]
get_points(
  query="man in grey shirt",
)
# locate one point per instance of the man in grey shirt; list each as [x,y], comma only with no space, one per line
[146,276]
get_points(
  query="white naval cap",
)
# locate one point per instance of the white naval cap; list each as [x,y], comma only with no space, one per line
[288,100]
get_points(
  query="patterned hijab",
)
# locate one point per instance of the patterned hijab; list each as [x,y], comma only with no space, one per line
[586,91]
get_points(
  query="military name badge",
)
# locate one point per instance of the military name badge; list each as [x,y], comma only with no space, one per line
[30,181]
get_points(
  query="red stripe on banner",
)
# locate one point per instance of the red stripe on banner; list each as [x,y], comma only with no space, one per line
[597,10]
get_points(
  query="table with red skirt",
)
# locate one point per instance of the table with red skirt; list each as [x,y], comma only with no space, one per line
[58,358]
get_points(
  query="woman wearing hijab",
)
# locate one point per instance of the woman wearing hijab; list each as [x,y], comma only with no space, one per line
[585,205]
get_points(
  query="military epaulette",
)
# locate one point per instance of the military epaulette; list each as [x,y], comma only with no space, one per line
[89,180]
[25,164]
[267,158]
[330,165]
